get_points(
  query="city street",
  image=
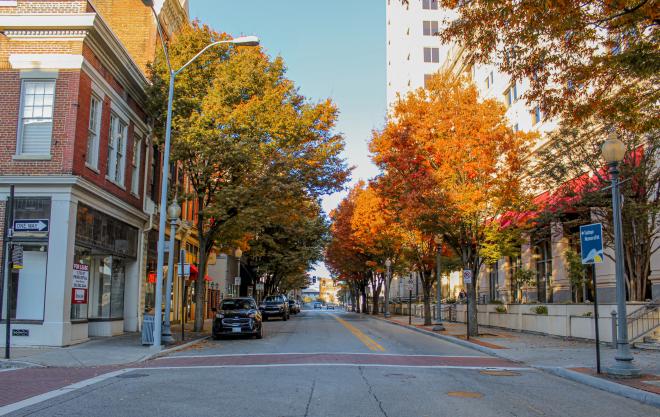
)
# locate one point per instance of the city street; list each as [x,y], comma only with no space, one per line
[333,363]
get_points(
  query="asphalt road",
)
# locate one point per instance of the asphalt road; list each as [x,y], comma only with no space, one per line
[325,363]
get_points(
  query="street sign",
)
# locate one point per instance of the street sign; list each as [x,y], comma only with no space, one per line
[186,270]
[410,284]
[467,276]
[260,286]
[237,280]
[31,226]
[591,243]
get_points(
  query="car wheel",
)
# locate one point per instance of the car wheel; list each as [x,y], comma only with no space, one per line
[284,317]
[260,335]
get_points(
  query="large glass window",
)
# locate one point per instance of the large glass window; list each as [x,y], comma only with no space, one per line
[117,150]
[28,285]
[93,132]
[493,282]
[135,164]
[430,28]
[82,256]
[432,55]
[105,234]
[543,259]
[36,118]
[106,287]
[430,4]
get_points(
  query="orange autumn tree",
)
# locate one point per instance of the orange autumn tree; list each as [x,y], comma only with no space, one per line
[378,236]
[453,165]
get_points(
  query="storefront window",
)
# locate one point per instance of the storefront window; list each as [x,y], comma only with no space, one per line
[543,257]
[106,287]
[81,257]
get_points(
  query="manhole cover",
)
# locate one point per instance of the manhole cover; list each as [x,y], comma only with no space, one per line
[401,376]
[131,375]
[465,394]
[493,372]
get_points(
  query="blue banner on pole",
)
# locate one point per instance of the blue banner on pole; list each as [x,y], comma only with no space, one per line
[591,243]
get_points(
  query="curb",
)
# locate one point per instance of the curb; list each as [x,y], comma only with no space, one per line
[602,384]
[164,352]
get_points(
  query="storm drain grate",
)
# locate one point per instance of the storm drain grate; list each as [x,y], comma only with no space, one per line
[465,394]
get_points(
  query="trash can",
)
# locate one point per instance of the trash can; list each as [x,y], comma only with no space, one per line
[148,329]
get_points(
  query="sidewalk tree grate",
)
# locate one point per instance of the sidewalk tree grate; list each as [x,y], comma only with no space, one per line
[465,394]
[493,372]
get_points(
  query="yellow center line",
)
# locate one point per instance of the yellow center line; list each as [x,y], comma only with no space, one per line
[369,342]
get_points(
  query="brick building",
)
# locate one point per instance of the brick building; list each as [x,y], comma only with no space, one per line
[76,142]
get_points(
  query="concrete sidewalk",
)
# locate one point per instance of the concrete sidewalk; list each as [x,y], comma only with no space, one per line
[574,359]
[101,351]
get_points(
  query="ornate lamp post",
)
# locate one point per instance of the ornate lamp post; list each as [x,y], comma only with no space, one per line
[613,152]
[388,277]
[173,213]
[438,243]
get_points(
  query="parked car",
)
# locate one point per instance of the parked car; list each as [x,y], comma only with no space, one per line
[237,316]
[318,305]
[330,306]
[275,306]
[294,306]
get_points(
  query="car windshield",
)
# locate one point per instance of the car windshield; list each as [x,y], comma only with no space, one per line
[273,299]
[236,305]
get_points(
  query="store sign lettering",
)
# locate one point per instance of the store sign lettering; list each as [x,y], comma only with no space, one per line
[80,276]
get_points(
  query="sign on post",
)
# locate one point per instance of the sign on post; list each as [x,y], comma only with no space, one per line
[79,284]
[186,270]
[237,280]
[467,276]
[410,284]
[591,252]
[260,286]
[31,226]
[17,257]
[591,243]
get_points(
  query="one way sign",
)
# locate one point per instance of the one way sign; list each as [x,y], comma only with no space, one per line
[31,226]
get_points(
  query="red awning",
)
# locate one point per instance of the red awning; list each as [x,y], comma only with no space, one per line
[194,273]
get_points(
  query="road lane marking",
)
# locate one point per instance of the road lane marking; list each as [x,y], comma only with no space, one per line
[350,365]
[10,408]
[369,342]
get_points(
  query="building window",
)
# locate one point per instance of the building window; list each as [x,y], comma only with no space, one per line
[135,164]
[93,132]
[516,127]
[511,94]
[542,255]
[117,150]
[537,115]
[106,286]
[36,118]
[516,265]
[427,79]
[488,82]
[430,4]
[493,282]
[432,55]
[154,173]
[430,28]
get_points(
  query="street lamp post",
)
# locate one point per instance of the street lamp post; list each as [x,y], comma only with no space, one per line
[173,213]
[244,41]
[438,326]
[388,277]
[238,253]
[613,152]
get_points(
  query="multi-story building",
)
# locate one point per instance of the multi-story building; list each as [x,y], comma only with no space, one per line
[414,54]
[76,143]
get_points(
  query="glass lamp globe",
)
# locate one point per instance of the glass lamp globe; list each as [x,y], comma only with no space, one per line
[238,253]
[173,211]
[388,262]
[613,150]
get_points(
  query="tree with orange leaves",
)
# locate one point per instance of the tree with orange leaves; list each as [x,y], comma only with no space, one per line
[452,165]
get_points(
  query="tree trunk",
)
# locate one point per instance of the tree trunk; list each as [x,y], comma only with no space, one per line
[365,308]
[199,286]
[374,299]
[426,288]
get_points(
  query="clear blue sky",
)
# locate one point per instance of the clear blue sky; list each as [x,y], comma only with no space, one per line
[332,49]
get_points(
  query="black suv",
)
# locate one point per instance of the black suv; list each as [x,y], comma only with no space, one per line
[237,316]
[275,306]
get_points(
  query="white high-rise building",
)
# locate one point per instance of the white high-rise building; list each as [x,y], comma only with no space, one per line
[413,50]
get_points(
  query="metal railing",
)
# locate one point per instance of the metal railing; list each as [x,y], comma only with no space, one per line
[643,321]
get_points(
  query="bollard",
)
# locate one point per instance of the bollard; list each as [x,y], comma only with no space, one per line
[614,335]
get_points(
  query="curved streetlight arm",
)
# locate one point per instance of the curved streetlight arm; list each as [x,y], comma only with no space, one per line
[200,53]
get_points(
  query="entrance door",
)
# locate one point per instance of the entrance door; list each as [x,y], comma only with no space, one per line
[31,286]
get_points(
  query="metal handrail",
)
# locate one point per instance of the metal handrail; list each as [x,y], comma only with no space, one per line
[643,321]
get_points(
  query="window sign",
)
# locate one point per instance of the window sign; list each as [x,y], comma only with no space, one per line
[80,276]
